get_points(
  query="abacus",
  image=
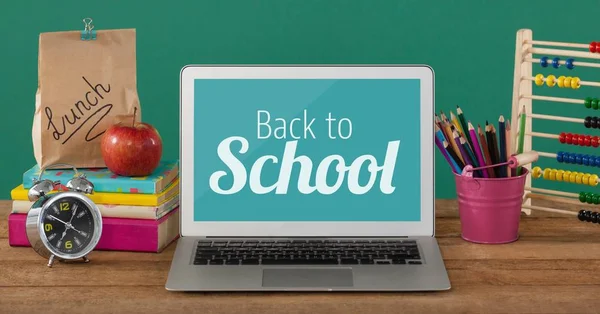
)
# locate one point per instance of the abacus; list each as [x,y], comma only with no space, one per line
[555,55]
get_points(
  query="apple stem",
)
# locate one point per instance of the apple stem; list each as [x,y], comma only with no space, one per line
[134,112]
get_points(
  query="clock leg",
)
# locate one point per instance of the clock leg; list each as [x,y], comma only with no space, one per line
[85,259]
[51,261]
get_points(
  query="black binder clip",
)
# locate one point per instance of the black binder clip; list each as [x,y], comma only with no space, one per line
[88,33]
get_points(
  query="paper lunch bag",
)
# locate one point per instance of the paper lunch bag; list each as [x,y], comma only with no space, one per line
[84,86]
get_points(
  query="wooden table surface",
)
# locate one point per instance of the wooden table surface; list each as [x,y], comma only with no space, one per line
[553,267]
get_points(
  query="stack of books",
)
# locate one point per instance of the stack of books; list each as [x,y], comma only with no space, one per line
[139,214]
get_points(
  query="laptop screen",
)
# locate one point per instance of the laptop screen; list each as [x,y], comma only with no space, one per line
[307,150]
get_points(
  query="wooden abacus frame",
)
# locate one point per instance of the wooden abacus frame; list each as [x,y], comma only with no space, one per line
[523,97]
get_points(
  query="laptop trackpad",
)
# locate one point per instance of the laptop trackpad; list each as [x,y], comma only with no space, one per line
[307,277]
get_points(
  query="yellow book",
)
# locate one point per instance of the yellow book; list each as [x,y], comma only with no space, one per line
[20,193]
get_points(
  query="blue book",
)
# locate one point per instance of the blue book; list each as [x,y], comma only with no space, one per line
[106,181]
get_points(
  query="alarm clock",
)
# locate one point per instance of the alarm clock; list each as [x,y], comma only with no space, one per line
[66,224]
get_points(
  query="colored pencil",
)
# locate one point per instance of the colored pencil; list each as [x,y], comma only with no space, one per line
[461,147]
[464,125]
[486,152]
[473,162]
[449,159]
[502,148]
[452,154]
[521,135]
[438,122]
[448,129]
[456,123]
[443,116]
[467,148]
[472,155]
[477,148]
[496,152]
[490,143]
[439,134]
[507,136]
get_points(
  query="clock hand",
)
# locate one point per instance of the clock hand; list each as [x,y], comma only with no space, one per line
[64,223]
[77,231]
[63,235]
[74,212]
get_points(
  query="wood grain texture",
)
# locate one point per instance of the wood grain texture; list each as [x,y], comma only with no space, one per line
[553,268]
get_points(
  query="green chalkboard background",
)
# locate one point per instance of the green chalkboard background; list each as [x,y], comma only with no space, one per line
[469,43]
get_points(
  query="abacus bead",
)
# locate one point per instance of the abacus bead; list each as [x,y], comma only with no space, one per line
[580,215]
[592,161]
[539,80]
[573,177]
[569,63]
[562,137]
[560,174]
[587,122]
[588,102]
[585,179]
[571,158]
[578,159]
[536,172]
[544,62]
[559,156]
[587,215]
[579,177]
[587,141]
[567,82]
[551,80]
[593,180]
[581,140]
[569,138]
[555,63]
[586,160]
[593,123]
[561,81]
[547,173]
[594,217]
[589,198]
[597,161]
[595,103]
[595,141]
[593,46]
[582,197]
[575,83]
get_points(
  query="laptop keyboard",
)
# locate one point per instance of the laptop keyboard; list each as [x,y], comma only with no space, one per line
[307,252]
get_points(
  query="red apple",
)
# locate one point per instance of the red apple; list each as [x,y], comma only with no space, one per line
[131,150]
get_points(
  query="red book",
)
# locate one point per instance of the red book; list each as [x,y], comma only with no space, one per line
[118,234]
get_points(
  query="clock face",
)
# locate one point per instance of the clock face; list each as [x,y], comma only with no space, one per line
[68,225]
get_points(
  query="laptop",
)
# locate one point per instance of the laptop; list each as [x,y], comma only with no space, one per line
[307,178]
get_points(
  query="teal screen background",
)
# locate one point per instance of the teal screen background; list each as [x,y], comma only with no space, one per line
[381,110]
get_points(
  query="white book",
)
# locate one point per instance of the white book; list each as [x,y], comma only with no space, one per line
[117,211]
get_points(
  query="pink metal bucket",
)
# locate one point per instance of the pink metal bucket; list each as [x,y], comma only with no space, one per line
[490,209]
